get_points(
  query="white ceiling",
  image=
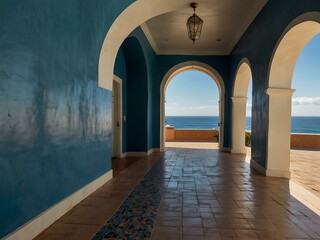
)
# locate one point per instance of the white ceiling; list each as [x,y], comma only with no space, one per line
[224,20]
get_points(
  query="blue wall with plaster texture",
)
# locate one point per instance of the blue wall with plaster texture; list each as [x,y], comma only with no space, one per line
[137,95]
[55,122]
[153,105]
[258,44]
[142,98]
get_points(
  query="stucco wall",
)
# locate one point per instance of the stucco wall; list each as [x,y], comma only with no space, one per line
[55,133]
[137,96]
[153,93]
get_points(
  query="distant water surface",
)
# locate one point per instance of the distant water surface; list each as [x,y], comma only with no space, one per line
[298,124]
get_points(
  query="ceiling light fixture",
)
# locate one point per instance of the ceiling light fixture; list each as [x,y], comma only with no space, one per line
[194,24]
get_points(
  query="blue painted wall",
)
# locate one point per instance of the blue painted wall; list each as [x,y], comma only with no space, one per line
[153,93]
[55,122]
[257,44]
[137,96]
[142,114]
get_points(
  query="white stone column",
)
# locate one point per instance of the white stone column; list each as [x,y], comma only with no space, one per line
[279,128]
[238,125]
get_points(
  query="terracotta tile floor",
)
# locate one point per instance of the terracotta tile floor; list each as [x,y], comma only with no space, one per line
[208,195]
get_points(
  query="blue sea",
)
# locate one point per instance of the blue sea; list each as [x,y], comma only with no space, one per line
[298,124]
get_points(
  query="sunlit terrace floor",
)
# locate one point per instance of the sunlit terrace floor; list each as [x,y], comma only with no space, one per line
[193,191]
[305,169]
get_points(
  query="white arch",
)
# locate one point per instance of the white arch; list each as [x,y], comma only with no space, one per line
[239,100]
[137,13]
[242,79]
[298,33]
[179,68]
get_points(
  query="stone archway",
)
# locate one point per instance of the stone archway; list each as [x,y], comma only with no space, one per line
[179,68]
[125,23]
[295,37]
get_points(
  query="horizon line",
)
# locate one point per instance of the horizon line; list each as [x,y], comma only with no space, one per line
[218,116]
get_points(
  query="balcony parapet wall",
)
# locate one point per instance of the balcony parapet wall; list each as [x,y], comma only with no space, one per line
[298,140]
[191,135]
[306,141]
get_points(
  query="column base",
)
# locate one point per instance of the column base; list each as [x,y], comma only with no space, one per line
[257,167]
[278,173]
[239,150]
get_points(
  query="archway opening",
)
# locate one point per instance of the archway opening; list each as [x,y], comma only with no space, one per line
[305,120]
[192,108]
[203,69]
[241,124]
[282,66]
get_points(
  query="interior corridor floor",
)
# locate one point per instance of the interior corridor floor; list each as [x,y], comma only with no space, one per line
[194,193]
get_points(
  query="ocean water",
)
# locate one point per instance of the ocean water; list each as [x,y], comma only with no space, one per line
[298,124]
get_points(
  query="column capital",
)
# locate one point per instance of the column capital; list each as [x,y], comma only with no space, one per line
[279,92]
[239,99]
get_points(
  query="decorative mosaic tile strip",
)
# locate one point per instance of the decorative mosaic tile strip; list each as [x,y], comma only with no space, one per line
[135,218]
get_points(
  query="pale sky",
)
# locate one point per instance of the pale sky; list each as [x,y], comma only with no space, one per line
[193,93]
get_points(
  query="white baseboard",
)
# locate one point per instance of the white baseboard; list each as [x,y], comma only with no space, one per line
[257,167]
[35,226]
[142,154]
[153,150]
[136,154]
[270,172]
[123,155]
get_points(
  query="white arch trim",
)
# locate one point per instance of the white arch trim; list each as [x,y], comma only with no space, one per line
[179,68]
[124,24]
[298,33]
[295,37]
[239,100]
[242,79]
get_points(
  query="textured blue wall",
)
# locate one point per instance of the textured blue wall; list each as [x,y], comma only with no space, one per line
[153,93]
[137,96]
[142,114]
[258,44]
[55,122]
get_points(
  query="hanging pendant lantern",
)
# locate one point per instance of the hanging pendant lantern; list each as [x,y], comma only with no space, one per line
[194,24]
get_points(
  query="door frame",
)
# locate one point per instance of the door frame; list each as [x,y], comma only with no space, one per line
[118,81]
